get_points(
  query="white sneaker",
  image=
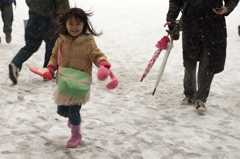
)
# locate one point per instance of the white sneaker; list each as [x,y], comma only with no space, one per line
[187,101]
[13,72]
[199,105]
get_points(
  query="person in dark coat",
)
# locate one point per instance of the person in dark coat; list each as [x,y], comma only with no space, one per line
[7,18]
[39,25]
[204,41]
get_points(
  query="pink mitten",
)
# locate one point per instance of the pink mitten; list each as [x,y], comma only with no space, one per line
[114,83]
[44,72]
[103,71]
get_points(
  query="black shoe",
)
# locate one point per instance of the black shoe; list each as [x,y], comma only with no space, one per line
[13,72]
[199,105]
[187,101]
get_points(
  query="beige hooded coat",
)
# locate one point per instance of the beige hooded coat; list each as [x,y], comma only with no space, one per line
[78,54]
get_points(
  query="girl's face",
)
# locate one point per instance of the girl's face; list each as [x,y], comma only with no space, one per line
[74,27]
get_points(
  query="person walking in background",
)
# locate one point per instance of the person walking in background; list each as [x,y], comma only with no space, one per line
[204,41]
[7,18]
[78,51]
[37,30]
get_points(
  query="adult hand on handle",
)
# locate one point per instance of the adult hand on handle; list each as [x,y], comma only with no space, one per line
[173,30]
[222,10]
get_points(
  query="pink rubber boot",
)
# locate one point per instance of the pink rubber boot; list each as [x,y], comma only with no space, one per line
[76,137]
[69,124]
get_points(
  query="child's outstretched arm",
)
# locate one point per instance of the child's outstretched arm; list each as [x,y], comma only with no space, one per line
[52,64]
[100,60]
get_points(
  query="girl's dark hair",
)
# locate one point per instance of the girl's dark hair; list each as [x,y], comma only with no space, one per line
[80,15]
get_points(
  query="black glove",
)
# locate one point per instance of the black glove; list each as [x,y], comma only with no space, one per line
[173,30]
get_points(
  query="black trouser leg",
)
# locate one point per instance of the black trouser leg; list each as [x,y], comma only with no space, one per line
[204,78]
[189,82]
[71,112]
[204,84]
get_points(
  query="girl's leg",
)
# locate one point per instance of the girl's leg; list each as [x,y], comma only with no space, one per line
[63,111]
[75,120]
[74,115]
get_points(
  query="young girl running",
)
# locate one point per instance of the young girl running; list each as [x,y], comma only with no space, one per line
[78,51]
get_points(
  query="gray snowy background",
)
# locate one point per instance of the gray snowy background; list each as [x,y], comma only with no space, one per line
[127,122]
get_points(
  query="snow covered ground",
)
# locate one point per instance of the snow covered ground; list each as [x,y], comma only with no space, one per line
[128,122]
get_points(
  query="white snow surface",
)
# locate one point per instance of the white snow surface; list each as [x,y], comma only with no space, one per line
[127,122]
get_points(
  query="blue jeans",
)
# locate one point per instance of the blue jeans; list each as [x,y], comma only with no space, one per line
[71,112]
[36,31]
[7,17]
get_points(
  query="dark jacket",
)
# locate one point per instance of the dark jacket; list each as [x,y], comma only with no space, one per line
[203,29]
[48,8]
[6,1]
